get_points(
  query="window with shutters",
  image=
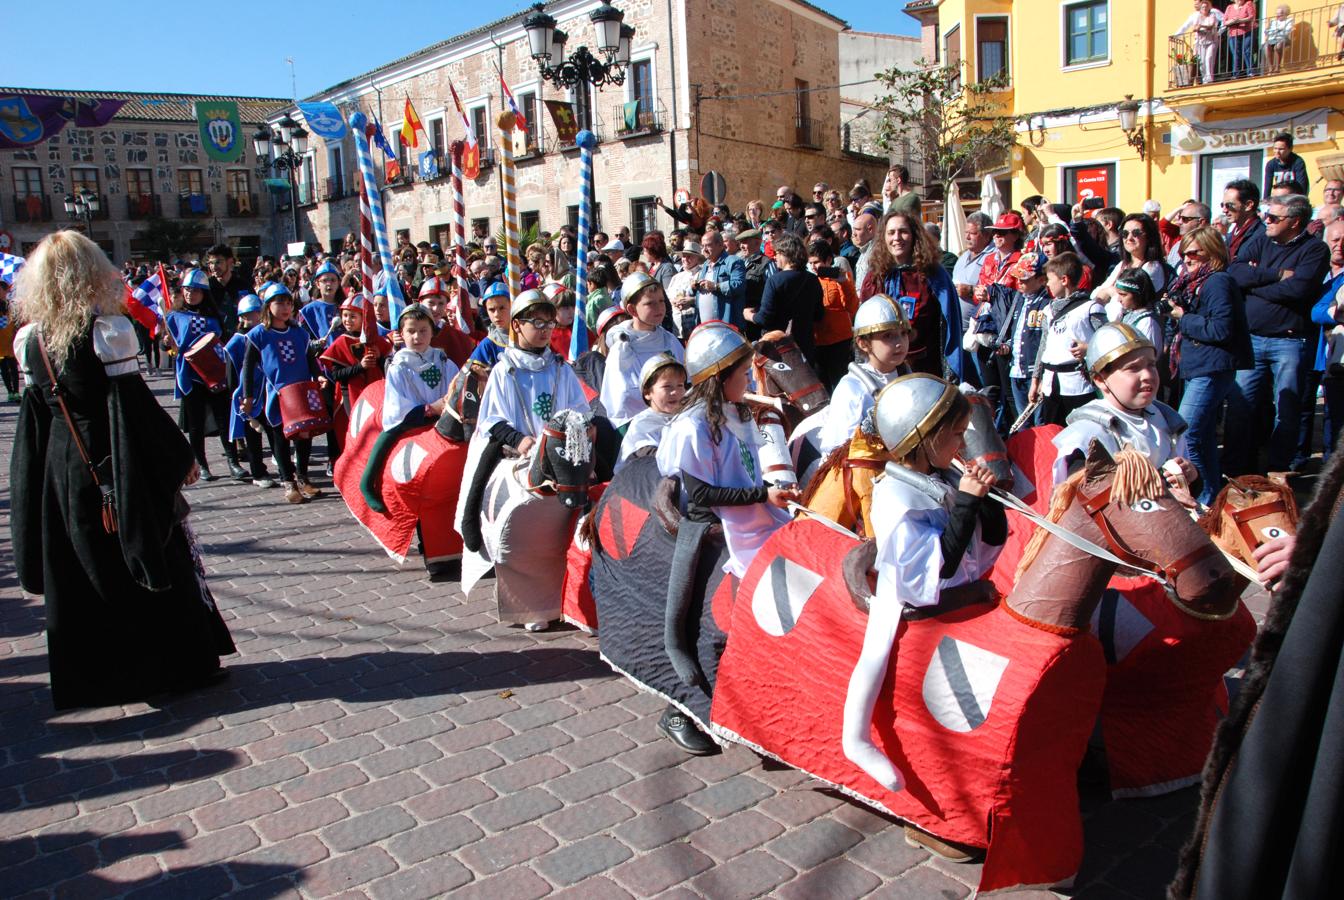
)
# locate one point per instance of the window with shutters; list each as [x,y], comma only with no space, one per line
[991,47]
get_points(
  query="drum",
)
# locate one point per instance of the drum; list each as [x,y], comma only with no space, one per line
[206,358]
[303,413]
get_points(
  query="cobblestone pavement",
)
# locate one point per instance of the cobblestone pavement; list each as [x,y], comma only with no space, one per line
[384,737]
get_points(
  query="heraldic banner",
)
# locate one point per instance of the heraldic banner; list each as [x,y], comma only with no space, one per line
[221,132]
[29,119]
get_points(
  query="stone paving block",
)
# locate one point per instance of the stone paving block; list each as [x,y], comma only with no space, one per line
[469,737]
[736,834]
[653,829]
[383,791]
[535,716]
[398,759]
[441,837]
[212,847]
[728,797]
[234,810]
[531,742]
[603,720]
[582,819]
[524,774]
[586,751]
[812,844]
[661,869]
[305,817]
[515,809]
[660,788]
[260,775]
[178,800]
[367,828]
[430,878]
[575,862]
[798,806]
[592,780]
[342,751]
[653,757]
[444,801]
[887,854]
[751,875]
[346,871]
[501,851]
[323,783]
[922,883]
[515,884]
[286,744]
[457,766]
[835,880]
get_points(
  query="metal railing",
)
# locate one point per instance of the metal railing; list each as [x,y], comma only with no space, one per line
[194,206]
[806,132]
[1308,39]
[142,206]
[333,189]
[32,208]
[648,120]
[242,205]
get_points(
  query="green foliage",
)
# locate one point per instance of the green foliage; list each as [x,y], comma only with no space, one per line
[526,238]
[166,238]
[957,129]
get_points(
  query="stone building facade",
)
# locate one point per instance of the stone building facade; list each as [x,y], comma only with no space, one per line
[147,162]
[747,90]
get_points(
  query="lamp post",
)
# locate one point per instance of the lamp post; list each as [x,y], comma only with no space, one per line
[1128,112]
[546,43]
[84,205]
[289,142]
[581,68]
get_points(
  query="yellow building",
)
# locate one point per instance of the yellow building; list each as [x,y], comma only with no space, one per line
[1203,118]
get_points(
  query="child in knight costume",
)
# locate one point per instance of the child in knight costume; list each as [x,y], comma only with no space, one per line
[935,535]
[1024,324]
[318,314]
[1058,379]
[632,344]
[279,351]
[418,376]
[882,337]
[662,381]
[243,427]
[189,322]
[712,446]
[1123,365]
[497,306]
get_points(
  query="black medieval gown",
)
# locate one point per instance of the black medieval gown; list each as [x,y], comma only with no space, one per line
[128,614]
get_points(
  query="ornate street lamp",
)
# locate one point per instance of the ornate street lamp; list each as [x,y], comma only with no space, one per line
[282,151]
[1128,111]
[547,46]
[84,205]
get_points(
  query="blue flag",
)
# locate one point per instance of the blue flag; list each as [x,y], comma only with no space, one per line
[325,120]
[429,165]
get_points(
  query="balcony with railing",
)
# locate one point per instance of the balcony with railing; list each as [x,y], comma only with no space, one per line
[647,120]
[242,206]
[807,133]
[32,208]
[142,206]
[194,206]
[1274,52]
[334,189]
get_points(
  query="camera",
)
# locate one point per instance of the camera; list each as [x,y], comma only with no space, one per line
[1094,203]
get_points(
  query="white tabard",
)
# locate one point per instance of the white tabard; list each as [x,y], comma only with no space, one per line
[415,379]
[688,447]
[850,401]
[627,352]
[646,430]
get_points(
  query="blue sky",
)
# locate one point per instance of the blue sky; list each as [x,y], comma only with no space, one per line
[240,47]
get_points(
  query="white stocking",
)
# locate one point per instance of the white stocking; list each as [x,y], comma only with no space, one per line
[879,645]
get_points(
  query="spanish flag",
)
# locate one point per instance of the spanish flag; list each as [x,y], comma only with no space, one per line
[410,126]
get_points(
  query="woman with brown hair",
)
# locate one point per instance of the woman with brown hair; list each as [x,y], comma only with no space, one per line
[97,524]
[905,264]
[1210,315]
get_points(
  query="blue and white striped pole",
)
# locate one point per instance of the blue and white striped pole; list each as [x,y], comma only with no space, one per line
[391,286]
[578,342]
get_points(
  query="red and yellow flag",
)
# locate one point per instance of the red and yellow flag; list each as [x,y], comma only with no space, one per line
[410,126]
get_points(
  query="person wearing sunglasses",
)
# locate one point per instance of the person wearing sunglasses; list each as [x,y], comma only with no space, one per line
[1142,249]
[1241,205]
[1281,279]
[1190,216]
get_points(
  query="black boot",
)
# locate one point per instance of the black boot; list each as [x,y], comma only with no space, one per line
[684,733]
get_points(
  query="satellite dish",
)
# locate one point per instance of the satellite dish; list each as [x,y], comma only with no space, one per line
[713,187]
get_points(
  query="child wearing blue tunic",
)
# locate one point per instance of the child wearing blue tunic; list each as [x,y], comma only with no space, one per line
[280,348]
[195,317]
[241,427]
